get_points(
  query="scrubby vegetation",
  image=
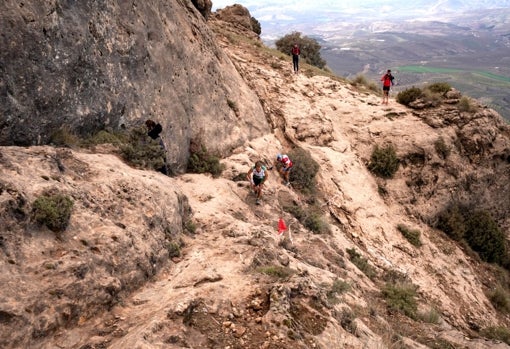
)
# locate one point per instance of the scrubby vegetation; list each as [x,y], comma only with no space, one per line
[202,161]
[53,210]
[478,229]
[466,105]
[500,299]
[277,271]
[338,288]
[361,263]
[442,149]
[497,333]
[310,48]
[439,87]
[255,25]
[142,151]
[304,170]
[384,161]
[361,80]
[310,216]
[409,95]
[401,297]
[412,235]
[63,137]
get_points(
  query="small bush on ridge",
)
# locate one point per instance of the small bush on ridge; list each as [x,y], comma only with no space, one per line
[402,298]
[201,161]
[442,148]
[439,87]
[142,151]
[304,170]
[413,236]
[384,161]
[361,263]
[497,332]
[408,96]
[53,211]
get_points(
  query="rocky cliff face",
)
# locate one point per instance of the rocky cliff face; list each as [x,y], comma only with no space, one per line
[88,66]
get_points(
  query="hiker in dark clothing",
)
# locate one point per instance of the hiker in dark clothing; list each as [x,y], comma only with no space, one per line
[295,57]
[153,131]
[257,175]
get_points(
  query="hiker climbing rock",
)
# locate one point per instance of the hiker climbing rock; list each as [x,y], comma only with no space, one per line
[257,175]
[387,80]
[285,165]
[153,131]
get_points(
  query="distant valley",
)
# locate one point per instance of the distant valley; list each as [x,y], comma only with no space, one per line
[471,51]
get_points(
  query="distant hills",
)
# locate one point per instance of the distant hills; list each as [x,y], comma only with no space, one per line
[466,43]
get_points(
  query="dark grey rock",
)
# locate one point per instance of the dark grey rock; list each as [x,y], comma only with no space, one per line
[93,65]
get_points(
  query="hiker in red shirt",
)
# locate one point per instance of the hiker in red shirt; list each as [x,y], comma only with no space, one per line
[295,57]
[387,80]
[284,170]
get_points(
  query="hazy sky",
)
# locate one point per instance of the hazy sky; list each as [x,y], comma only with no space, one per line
[260,8]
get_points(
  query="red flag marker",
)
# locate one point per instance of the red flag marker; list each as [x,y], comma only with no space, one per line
[281,226]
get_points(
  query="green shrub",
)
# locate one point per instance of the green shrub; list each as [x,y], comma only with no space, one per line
[142,151]
[201,161]
[497,333]
[394,276]
[384,161]
[53,211]
[361,263]
[310,48]
[255,25]
[174,249]
[413,236]
[439,87]
[316,223]
[63,137]
[338,287]
[452,221]
[478,229]
[304,170]
[465,104]
[105,137]
[440,343]
[277,271]
[485,237]
[442,149]
[431,316]
[346,319]
[190,226]
[361,80]
[311,218]
[402,298]
[500,299]
[408,96]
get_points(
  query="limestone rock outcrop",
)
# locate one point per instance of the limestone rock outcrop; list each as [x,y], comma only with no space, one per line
[89,66]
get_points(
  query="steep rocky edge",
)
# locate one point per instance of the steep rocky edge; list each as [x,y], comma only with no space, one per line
[108,281]
[91,65]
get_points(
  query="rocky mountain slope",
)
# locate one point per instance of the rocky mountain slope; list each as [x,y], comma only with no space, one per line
[91,66]
[190,261]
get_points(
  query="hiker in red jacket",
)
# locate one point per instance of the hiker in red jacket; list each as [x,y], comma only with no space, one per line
[285,166]
[387,80]
[295,57]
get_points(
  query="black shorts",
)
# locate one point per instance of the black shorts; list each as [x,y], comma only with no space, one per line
[258,180]
[386,88]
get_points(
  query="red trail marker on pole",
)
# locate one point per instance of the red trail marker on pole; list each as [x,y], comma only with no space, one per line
[281,226]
